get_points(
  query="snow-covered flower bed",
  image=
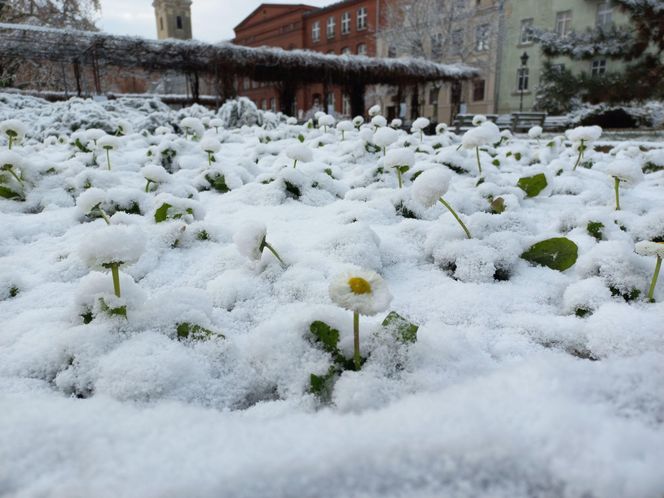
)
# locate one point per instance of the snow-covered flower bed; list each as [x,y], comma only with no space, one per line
[291,310]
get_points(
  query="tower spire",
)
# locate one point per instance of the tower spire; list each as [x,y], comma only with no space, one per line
[173,19]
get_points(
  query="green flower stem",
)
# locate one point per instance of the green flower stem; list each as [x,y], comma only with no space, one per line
[147,185]
[294,163]
[108,158]
[18,178]
[651,291]
[267,246]
[343,135]
[104,215]
[399,177]
[479,164]
[209,158]
[115,271]
[421,136]
[616,187]
[578,159]
[357,359]
[465,228]
[11,142]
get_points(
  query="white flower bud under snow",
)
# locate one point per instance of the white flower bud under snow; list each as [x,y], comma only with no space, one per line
[155,173]
[217,123]
[210,145]
[108,142]
[300,152]
[113,244]
[90,199]
[485,134]
[14,128]
[366,135]
[379,121]
[93,134]
[586,133]
[250,238]
[535,132]
[479,119]
[399,157]
[345,126]
[385,136]
[10,159]
[326,120]
[625,170]
[358,121]
[396,123]
[441,128]
[193,126]
[291,121]
[374,110]
[420,123]
[363,291]
[648,248]
[430,186]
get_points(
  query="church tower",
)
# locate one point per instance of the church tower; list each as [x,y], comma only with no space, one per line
[173,19]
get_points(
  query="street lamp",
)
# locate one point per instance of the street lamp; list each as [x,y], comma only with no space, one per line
[522,79]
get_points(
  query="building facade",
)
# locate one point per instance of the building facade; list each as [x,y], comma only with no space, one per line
[517,81]
[347,27]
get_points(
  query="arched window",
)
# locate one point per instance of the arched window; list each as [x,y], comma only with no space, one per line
[179,22]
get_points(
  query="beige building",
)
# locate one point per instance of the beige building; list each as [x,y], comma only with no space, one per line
[173,19]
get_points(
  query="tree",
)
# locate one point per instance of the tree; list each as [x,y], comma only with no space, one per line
[75,14]
[640,44]
[453,31]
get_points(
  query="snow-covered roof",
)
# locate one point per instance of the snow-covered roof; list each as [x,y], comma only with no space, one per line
[261,64]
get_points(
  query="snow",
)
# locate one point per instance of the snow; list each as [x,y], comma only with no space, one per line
[586,133]
[508,391]
[250,238]
[385,136]
[484,134]
[430,186]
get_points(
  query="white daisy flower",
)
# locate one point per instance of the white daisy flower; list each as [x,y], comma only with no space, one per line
[374,110]
[358,121]
[193,127]
[441,128]
[648,248]
[379,121]
[479,119]
[251,240]
[14,130]
[361,291]
[299,152]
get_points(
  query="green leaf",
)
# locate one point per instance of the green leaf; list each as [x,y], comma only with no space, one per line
[161,214]
[403,330]
[414,176]
[497,205]
[119,311]
[594,228]
[558,253]
[517,156]
[8,193]
[496,162]
[402,169]
[186,330]
[328,172]
[326,335]
[323,385]
[480,181]
[300,137]
[218,183]
[292,189]
[533,185]
[80,145]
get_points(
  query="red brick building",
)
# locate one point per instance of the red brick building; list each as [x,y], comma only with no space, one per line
[347,27]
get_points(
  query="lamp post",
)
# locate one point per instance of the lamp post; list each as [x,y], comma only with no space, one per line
[522,79]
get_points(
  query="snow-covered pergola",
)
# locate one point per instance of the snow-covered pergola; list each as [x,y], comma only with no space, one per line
[224,61]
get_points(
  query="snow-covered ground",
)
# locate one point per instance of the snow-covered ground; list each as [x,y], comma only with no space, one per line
[524,380]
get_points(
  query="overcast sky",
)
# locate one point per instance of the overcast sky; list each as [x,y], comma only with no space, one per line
[213,20]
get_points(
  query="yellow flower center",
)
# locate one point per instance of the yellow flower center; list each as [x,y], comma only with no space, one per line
[359,285]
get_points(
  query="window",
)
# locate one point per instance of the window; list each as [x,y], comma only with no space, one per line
[437,45]
[525,35]
[345,105]
[558,68]
[362,49]
[264,104]
[482,37]
[246,83]
[273,104]
[564,23]
[457,41]
[345,51]
[178,21]
[331,25]
[522,76]
[362,18]
[598,67]
[391,51]
[478,90]
[433,95]
[604,14]
[345,23]
[315,31]
[330,103]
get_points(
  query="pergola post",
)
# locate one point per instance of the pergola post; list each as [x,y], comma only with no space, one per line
[286,97]
[77,76]
[357,91]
